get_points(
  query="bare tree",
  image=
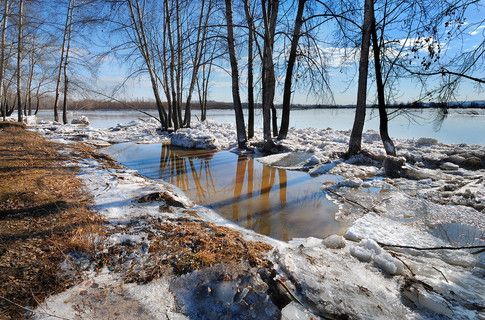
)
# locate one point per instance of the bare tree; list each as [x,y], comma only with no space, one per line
[140,39]
[19,60]
[61,61]
[285,114]
[270,14]
[2,55]
[203,84]
[251,33]
[199,53]
[356,134]
[66,60]
[240,126]
[383,119]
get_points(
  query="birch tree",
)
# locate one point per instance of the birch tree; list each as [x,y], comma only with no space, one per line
[240,126]
[140,39]
[270,14]
[61,60]
[19,59]
[66,61]
[6,8]
[285,115]
[251,39]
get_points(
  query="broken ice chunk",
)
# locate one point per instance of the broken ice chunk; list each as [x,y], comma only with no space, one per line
[334,242]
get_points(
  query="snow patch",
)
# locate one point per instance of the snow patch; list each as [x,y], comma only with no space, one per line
[82,120]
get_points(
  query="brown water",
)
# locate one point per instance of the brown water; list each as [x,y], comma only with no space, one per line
[279,203]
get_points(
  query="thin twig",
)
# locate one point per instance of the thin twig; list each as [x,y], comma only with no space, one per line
[289,291]
[395,255]
[349,200]
[441,273]
[430,248]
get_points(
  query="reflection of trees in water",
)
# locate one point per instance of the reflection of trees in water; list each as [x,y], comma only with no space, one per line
[283,184]
[181,166]
[238,185]
[259,210]
[253,208]
[267,181]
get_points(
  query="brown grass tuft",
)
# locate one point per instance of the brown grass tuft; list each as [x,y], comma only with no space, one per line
[185,246]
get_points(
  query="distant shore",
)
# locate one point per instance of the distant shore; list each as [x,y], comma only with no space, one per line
[215,105]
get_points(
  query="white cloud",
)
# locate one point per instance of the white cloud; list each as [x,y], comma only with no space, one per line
[476,31]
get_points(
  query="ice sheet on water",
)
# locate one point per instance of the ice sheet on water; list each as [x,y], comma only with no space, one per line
[291,160]
[294,311]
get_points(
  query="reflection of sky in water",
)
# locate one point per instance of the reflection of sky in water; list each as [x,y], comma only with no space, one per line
[458,127]
[280,203]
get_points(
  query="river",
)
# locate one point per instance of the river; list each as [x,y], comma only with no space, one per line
[460,125]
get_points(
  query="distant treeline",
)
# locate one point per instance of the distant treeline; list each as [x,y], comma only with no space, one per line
[150,105]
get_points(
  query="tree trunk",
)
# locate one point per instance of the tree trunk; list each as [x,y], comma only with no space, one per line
[250,23]
[2,56]
[381,100]
[179,71]
[29,84]
[31,77]
[59,73]
[285,113]
[356,135]
[162,56]
[269,16]
[240,127]
[37,103]
[274,120]
[205,83]
[19,61]
[66,60]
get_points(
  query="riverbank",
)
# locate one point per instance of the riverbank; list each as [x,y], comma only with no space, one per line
[393,261]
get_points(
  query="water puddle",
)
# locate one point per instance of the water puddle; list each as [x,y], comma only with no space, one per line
[276,202]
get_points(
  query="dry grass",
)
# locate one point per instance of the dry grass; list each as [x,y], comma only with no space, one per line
[44,216]
[182,246]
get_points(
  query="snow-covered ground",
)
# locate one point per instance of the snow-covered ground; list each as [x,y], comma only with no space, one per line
[388,265]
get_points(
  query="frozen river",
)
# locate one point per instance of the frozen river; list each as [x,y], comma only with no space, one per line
[460,126]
